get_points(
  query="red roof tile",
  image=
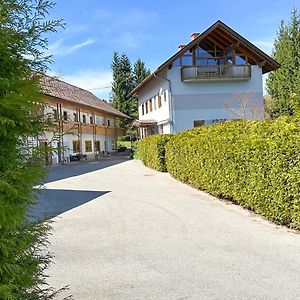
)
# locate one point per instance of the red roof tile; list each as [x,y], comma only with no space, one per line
[56,88]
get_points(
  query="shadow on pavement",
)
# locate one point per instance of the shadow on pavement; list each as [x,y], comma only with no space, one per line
[51,203]
[59,172]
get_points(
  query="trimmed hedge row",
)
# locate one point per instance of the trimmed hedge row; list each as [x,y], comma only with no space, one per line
[152,151]
[254,163]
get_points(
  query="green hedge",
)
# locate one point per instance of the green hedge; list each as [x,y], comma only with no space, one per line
[152,151]
[254,163]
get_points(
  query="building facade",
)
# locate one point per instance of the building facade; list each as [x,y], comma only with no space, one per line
[217,76]
[83,126]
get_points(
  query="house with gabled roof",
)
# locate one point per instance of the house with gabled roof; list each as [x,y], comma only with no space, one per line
[217,76]
[83,126]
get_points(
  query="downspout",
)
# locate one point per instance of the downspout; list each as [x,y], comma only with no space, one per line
[170,101]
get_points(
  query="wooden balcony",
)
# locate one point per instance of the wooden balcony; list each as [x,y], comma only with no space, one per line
[216,72]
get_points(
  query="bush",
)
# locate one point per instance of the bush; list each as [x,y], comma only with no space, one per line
[152,151]
[254,163]
[135,150]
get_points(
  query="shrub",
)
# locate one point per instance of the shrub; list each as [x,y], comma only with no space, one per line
[254,163]
[152,151]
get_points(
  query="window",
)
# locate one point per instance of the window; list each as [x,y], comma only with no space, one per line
[83,119]
[88,146]
[187,60]
[65,116]
[97,146]
[143,109]
[176,62]
[159,101]
[146,106]
[114,145]
[76,146]
[55,113]
[108,122]
[198,123]
[150,105]
[75,117]
[91,120]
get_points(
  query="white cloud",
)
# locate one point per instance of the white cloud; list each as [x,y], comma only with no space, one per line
[97,82]
[59,49]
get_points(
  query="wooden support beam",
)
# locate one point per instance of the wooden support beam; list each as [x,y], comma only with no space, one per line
[262,63]
[215,42]
[232,46]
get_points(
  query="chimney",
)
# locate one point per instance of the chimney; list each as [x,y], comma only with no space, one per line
[180,47]
[194,35]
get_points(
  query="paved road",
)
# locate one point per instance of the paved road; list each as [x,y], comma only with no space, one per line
[140,234]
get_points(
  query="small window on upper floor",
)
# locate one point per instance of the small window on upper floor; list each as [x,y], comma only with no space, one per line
[91,120]
[146,107]
[108,122]
[159,101]
[150,105]
[65,116]
[55,113]
[83,119]
[143,109]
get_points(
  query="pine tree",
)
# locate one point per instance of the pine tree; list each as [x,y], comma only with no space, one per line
[140,72]
[122,85]
[285,81]
[125,79]
[22,44]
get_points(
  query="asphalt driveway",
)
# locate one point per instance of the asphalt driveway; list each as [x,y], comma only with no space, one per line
[135,233]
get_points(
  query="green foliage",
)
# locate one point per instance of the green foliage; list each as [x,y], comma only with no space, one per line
[284,81]
[254,163]
[135,150]
[152,151]
[22,260]
[125,79]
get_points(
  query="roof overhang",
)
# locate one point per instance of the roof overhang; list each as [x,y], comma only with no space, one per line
[143,123]
[226,37]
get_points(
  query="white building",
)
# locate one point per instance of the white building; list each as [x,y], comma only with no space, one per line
[217,76]
[83,125]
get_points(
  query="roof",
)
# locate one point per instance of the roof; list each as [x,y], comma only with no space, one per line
[54,87]
[224,36]
[143,123]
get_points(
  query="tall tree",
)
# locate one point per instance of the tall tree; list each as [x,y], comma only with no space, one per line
[285,81]
[22,43]
[125,78]
[122,82]
[140,72]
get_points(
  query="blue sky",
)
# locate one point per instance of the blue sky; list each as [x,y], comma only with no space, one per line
[150,30]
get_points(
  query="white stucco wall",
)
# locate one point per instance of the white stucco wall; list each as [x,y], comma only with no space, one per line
[151,91]
[207,99]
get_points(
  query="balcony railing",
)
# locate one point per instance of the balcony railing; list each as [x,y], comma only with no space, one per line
[191,73]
